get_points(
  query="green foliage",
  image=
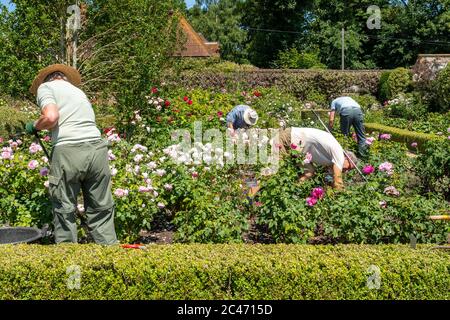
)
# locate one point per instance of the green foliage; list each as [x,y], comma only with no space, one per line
[399,81]
[442,88]
[433,166]
[435,123]
[406,106]
[301,83]
[383,92]
[292,59]
[350,216]
[30,39]
[225,272]
[366,101]
[23,197]
[11,120]
[263,16]
[221,21]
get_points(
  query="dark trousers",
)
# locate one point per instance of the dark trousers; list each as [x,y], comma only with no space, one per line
[354,117]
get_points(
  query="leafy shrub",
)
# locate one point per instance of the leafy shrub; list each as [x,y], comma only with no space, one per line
[433,166]
[442,88]
[366,101]
[399,81]
[298,82]
[225,272]
[12,120]
[350,216]
[383,91]
[407,106]
[292,59]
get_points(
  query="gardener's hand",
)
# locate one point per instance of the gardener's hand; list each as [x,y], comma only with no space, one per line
[30,128]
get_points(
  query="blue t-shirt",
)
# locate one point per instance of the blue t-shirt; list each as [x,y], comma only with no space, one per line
[236,117]
[342,103]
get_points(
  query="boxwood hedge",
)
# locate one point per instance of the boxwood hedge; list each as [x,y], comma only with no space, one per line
[224,272]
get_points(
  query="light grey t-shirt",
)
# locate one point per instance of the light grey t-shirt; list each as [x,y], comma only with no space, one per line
[342,104]
[323,147]
[76,117]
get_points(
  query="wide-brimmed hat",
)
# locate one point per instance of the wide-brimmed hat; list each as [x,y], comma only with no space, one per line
[72,75]
[250,116]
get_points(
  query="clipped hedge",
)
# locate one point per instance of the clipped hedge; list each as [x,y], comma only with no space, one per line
[298,82]
[401,135]
[224,272]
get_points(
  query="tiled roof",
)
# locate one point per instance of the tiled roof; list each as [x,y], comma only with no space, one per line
[196,45]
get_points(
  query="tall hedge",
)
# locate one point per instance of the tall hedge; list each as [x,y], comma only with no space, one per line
[298,82]
[224,272]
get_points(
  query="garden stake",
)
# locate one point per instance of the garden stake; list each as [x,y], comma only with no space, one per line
[345,153]
[42,145]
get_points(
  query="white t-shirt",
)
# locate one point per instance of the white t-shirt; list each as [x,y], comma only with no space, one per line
[76,117]
[323,147]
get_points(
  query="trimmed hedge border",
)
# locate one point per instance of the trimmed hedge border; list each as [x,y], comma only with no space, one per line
[224,272]
[297,82]
[401,135]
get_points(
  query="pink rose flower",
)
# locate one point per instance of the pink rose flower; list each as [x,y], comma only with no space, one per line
[161,205]
[311,201]
[6,155]
[33,164]
[370,140]
[35,148]
[308,158]
[368,169]
[121,193]
[386,167]
[317,193]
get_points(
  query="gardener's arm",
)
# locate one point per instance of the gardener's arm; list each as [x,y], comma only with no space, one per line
[338,184]
[49,109]
[331,120]
[49,117]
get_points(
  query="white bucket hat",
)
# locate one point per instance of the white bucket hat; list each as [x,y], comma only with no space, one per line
[250,116]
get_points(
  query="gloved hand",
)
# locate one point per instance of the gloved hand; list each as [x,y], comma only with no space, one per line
[30,128]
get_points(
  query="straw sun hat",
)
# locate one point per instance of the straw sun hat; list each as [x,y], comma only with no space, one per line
[72,75]
[250,116]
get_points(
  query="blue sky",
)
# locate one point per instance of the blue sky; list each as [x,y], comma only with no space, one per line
[5,2]
[189,3]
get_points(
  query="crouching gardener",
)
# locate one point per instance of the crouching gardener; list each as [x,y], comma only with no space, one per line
[241,117]
[322,149]
[79,157]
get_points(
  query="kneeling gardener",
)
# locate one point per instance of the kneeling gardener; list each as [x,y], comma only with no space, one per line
[79,158]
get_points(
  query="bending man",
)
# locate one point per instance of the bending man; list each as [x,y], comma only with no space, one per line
[322,149]
[350,114]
